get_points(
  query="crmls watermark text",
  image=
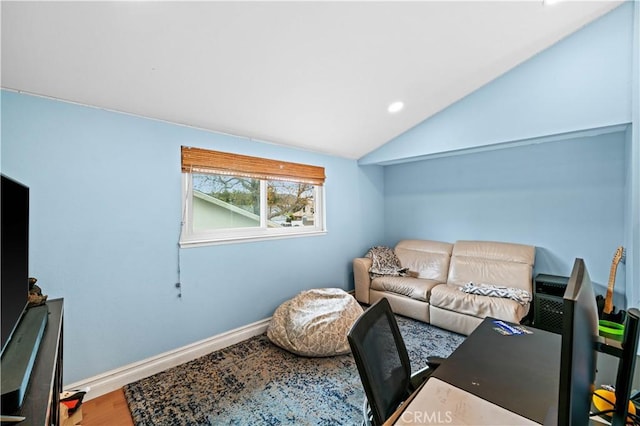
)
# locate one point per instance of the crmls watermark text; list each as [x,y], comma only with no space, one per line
[427,417]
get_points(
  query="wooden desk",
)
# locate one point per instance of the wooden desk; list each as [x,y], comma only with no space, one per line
[442,403]
[519,374]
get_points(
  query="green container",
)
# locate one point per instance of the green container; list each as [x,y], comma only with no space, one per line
[611,330]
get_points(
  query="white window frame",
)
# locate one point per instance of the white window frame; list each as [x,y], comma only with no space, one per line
[191,238]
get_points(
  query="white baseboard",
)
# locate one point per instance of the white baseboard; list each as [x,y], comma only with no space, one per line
[115,379]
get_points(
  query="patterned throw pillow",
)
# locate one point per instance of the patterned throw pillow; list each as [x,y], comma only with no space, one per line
[519,295]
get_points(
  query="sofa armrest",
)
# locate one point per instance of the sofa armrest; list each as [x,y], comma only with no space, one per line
[361,266]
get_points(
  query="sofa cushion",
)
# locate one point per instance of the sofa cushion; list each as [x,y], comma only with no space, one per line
[452,298]
[415,288]
[503,264]
[425,259]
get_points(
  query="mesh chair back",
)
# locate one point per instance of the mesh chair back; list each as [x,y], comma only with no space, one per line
[382,360]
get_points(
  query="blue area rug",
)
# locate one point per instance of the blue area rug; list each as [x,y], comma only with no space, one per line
[256,383]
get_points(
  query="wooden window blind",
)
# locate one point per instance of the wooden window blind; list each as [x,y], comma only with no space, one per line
[198,160]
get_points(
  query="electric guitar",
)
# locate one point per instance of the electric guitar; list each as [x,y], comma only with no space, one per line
[606,308]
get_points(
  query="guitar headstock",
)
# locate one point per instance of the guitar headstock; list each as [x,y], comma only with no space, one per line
[619,255]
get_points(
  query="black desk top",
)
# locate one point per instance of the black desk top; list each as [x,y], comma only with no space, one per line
[518,372]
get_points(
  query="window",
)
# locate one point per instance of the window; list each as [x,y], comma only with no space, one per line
[228,197]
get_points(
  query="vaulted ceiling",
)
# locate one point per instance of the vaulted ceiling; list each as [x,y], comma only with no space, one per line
[314,75]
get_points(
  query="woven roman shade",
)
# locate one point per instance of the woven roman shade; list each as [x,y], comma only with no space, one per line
[198,160]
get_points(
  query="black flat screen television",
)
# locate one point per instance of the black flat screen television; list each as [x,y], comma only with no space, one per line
[14,254]
[578,356]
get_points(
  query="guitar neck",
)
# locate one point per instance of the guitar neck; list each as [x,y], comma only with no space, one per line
[608,303]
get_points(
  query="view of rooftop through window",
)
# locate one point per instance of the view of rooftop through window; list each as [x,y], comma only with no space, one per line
[287,203]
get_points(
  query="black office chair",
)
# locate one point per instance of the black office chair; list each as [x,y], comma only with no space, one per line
[383,362]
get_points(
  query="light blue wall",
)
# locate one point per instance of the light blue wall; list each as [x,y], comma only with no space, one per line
[582,82]
[631,261]
[633,183]
[556,133]
[566,198]
[105,222]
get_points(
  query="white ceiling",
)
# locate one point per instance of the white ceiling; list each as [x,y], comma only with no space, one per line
[315,75]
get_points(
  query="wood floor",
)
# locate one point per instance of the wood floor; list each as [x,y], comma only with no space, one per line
[107,410]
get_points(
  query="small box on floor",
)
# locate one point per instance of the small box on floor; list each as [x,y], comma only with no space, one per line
[70,407]
[67,419]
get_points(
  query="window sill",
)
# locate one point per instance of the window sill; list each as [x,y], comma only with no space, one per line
[188,243]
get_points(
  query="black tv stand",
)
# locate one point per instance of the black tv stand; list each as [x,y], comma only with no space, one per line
[41,398]
[20,355]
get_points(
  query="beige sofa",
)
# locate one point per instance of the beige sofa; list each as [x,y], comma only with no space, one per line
[437,271]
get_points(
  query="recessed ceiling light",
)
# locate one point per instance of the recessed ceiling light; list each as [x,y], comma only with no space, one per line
[395,107]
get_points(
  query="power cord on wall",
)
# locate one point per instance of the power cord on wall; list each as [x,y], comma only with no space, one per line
[178,284]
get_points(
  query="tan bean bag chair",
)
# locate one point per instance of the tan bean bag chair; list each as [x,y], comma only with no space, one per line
[315,322]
